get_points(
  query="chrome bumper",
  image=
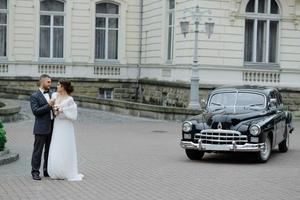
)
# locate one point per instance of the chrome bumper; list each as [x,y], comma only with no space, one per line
[217,147]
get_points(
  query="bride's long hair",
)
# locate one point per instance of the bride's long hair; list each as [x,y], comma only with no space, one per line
[67,85]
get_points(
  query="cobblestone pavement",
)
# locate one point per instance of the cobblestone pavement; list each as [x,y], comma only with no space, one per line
[127,158]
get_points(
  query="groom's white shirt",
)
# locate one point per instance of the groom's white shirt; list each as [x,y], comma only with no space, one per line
[47,97]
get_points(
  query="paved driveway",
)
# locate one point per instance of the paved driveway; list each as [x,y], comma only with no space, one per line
[132,158]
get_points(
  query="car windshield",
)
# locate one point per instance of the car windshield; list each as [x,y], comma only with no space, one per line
[237,100]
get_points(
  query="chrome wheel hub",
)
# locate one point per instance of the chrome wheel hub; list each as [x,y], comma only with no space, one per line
[265,152]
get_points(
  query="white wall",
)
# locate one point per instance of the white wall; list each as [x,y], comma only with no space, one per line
[221,57]
[79,30]
[21,23]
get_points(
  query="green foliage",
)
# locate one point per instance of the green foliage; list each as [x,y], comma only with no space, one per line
[2,137]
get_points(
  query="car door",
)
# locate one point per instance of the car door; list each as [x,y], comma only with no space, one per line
[274,105]
[282,118]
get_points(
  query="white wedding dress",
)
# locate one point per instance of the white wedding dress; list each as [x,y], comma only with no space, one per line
[62,160]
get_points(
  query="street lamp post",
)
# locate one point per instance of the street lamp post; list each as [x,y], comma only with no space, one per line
[209,27]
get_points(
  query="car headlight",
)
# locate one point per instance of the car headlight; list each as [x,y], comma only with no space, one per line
[255,130]
[187,126]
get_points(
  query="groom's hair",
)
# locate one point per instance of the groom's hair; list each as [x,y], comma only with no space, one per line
[42,77]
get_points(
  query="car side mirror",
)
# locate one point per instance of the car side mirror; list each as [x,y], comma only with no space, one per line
[272,102]
[203,102]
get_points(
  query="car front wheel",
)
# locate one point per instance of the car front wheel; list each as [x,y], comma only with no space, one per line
[194,154]
[264,154]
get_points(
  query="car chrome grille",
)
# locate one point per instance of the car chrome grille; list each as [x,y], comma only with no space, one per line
[220,136]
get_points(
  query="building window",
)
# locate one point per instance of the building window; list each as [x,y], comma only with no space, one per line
[51,29]
[261,31]
[106,93]
[3,27]
[171,22]
[107,31]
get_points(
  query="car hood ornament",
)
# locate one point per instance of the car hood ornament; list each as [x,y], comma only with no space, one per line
[219,125]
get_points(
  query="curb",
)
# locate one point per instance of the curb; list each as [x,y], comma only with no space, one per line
[7,157]
[9,110]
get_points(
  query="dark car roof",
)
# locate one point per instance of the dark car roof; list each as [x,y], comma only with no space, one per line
[262,89]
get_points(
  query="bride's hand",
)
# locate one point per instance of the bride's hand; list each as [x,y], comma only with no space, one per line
[51,102]
[56,109]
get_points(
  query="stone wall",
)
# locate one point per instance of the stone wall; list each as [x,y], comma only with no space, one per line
[124,90]
[174,94]
[291,99]
[168,93]
[177,94]
[118,106]
[150,92]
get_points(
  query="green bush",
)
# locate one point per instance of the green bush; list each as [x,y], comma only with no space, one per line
[2,137]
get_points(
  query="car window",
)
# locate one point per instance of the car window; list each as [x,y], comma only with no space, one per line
[251,99]
[241,99]
[223,99]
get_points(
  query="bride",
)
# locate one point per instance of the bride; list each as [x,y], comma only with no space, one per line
[62,161]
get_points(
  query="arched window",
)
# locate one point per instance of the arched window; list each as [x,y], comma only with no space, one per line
[107,31]
[3,27]
[51,29]
[261,31]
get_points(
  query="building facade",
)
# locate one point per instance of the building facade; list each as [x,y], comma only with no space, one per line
[254,41]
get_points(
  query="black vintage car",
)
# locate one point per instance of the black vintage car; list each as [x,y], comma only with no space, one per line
[239,119]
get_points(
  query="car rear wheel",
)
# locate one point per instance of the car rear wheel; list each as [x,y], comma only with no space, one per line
[264,154]
[284,145]
[194,154]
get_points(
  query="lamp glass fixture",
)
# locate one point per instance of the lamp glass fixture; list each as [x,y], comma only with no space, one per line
[184,25]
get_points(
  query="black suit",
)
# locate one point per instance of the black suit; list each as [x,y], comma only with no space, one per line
[42,130]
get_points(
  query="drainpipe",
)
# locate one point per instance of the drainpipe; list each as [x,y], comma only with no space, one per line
[139,93]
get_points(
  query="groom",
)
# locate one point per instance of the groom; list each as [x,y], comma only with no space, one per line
[41,106]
